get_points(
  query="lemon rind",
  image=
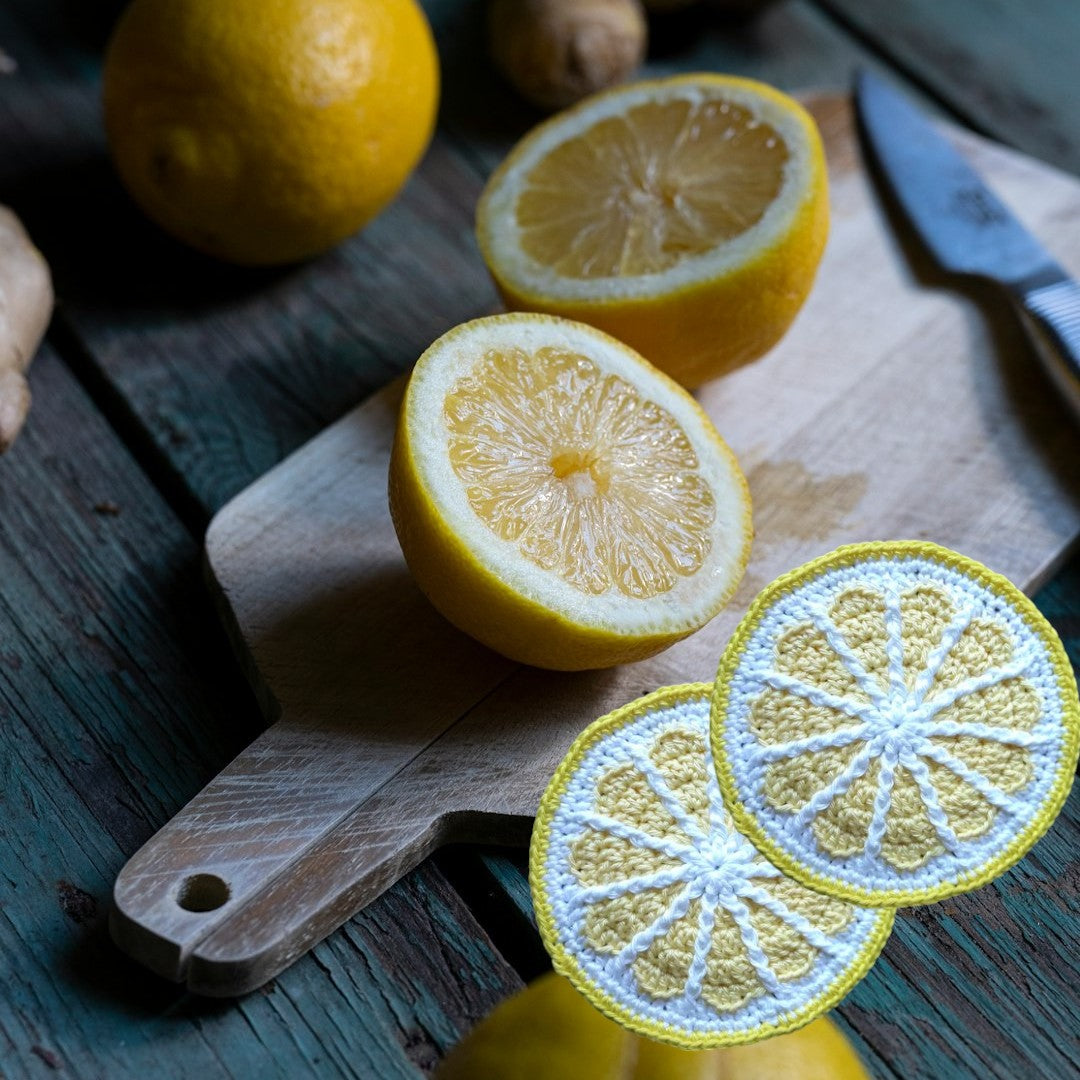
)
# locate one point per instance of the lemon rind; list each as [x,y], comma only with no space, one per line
[697,598]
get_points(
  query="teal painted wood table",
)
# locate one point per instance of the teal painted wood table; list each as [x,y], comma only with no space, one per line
[168,383]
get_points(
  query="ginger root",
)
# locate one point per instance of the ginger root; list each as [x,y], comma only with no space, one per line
[26,301]
[557,51]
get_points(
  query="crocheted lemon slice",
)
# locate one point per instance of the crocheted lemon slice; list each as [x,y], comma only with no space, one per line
[894,723]
[662,915]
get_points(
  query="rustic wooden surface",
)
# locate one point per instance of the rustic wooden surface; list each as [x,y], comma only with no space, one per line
[174,383]
[114,706]
[362,775]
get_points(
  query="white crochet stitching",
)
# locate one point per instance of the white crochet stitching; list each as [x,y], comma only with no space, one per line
[719,870]
[891,723]
[896,724]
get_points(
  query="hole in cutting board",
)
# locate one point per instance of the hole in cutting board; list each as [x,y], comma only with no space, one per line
[202,892]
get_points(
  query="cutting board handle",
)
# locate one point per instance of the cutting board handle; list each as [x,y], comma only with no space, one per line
[270,858]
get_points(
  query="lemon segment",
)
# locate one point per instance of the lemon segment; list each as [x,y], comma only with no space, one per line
[561,500]
[686,216]
[893,723]
[641,192]
[592,481]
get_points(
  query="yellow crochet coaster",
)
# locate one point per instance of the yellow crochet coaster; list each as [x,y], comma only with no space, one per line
[894,723]
[660,913]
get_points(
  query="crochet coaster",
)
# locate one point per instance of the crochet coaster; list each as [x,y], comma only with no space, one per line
[659,912]
[894,723]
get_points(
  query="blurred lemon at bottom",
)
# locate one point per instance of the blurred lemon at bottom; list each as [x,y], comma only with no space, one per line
[550,1032]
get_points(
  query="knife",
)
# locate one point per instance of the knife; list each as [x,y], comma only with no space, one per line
[969,230]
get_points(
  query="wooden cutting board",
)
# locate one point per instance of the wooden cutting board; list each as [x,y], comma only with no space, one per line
[897,407]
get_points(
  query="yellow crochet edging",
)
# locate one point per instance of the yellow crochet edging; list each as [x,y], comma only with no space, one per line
[850,555]
[565,964]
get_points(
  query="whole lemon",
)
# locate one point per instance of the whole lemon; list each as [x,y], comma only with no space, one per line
[265,131]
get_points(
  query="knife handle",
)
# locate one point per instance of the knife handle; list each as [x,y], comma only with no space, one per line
[1051,315]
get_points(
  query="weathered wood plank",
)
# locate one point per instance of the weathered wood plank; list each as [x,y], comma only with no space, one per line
[55,109]
[792,45]
[1059,601]
[226,370]
[1008,69]
[115,704]
[908,360]
[983,984]
[1010,946]
[976,986]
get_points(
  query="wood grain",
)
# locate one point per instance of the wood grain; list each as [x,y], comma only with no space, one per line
[117,699]
[150,327]
[362,775]
[211,375]
[1002,67]
[216,372]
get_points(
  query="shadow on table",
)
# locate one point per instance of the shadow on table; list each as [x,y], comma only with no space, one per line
[107,977]
[1016,373]
[105,253]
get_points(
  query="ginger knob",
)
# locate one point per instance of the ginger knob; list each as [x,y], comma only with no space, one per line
[26,300]
[557,51]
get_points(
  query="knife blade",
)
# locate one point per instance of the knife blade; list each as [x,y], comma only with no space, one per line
[968,229]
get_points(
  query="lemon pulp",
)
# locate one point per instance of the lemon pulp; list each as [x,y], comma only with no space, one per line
[684,216]
[560,499]
[590,479]
[639,192]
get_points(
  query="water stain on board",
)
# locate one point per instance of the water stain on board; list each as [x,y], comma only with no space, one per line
[790,503]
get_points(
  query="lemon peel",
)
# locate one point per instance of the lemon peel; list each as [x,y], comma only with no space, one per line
[560,499]
[265,131]
[685,216]
[548,1031]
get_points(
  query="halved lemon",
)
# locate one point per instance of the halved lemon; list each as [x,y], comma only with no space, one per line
[560,499]
[686,216]
[894,723]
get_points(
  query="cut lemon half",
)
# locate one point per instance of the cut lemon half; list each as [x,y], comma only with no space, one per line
[659,911]
[560,499]
[686,216]
[894,723]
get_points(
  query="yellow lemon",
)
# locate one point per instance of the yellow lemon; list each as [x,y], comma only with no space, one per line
[265,131]
[550,1032]
[560,499]
[686,216]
